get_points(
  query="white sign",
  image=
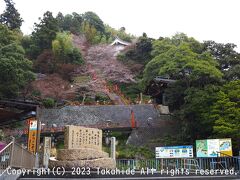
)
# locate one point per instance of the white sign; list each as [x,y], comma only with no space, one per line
[213,147]
[33,125]
[174,152]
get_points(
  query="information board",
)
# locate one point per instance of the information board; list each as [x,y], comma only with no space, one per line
[214,147]
[174,152]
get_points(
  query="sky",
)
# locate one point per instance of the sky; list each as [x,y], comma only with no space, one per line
[216,20]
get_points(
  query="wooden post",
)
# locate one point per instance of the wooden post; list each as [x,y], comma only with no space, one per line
[12,151]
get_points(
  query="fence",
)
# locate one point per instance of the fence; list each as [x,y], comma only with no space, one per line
[191,164]
[15,156]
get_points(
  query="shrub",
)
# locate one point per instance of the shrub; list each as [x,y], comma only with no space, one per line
[101,98]
[48,103]
[121,57]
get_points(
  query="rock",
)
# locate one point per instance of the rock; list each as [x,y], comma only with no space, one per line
[163,109]
[80,154]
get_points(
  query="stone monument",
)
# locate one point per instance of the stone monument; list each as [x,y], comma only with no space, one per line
[76,137]
[82,148]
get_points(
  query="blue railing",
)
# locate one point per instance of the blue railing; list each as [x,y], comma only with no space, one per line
[178,163]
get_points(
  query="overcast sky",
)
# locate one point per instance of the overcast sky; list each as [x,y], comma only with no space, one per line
[216,20]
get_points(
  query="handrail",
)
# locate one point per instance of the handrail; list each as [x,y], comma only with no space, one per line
[225,155]
[191,163]
[1,173]
[6,147]
[17,157]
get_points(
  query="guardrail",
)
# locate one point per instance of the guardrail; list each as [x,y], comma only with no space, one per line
[179,163]
[16,156]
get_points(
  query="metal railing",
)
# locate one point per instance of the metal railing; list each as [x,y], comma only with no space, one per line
[5,157]
[179,163]
[16,156]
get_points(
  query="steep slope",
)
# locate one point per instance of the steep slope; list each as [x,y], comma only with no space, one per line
[100,75]
[101,66]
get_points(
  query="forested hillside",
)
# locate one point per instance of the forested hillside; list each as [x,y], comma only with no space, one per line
[68,59]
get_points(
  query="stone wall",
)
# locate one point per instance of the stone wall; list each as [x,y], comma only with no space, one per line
[151,125]
[120,115]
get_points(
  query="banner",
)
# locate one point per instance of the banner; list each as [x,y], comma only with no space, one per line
[174,152]
[32,135]
[213,147]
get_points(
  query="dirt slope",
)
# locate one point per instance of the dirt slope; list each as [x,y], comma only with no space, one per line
[101,66]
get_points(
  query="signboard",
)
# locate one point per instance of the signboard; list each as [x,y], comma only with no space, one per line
[32,135]
[214,147]
[225,147]
[33,125]
[174,152]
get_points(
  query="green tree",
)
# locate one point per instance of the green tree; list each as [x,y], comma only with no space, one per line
[64,50]
[197,78]
[94,20]
[226,112]
[15,69]
[44,33]
[91,33]
[227,57]
[70,22]
[141,52]
[164,44]
[11,16]
[7,36]
[111,34]
[180,62]
[194,112]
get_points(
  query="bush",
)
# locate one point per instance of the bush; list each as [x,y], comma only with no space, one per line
[133,152]
[64,50]
[75,57]
[129,151]
[36,93]
[101,98]
[48,103]
[121,57]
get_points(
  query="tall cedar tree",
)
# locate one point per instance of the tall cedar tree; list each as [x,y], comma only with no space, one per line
[10,16]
